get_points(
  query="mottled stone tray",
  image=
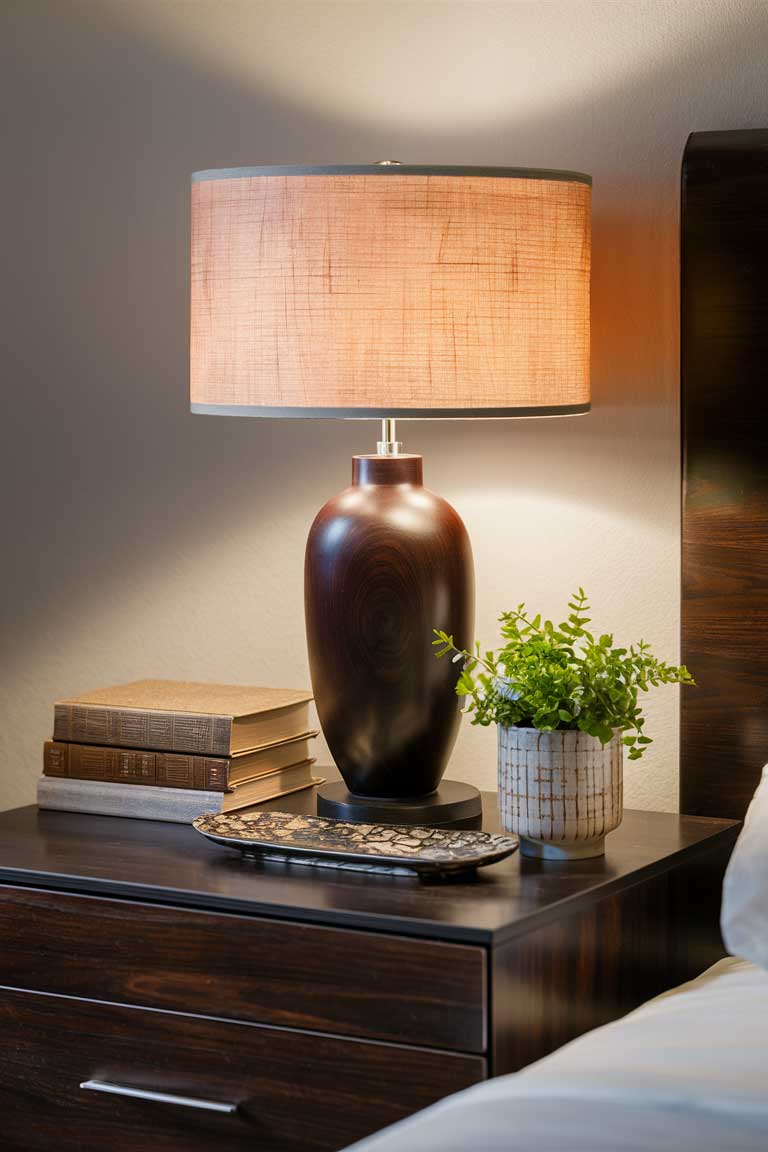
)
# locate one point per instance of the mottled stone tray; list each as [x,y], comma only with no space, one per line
[390,848]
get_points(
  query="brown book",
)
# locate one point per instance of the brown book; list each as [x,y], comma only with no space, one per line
[175,716]
[169,769]
[269,787]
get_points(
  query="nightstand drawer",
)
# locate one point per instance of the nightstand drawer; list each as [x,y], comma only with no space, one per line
[363,984]
[289,1091]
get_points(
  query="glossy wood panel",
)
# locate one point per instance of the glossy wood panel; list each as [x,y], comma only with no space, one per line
[294,1093]
[582,971]
[243,968]
[724,346]
[595,965]
[173,864]
[694,912]
[573,946]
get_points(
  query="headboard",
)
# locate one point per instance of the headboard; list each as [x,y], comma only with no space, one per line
[724,348]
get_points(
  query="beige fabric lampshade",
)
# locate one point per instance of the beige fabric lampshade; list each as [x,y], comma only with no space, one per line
[390,290]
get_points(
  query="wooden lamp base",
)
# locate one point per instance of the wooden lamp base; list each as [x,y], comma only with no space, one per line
[387,562]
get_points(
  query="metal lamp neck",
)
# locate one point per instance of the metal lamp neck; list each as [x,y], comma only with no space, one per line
[389,445]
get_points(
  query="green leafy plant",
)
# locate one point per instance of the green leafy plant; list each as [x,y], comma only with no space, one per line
[549,677]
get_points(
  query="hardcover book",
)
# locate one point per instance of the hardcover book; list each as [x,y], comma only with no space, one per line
[153,802]
[179,716]
[169,769]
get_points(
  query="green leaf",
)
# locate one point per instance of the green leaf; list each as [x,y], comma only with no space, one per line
[562,675]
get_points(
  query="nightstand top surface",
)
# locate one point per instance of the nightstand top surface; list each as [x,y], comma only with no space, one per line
[173,864]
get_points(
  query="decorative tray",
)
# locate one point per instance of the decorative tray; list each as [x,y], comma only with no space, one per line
[391,848]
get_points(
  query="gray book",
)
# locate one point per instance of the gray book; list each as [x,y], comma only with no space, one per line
[145,802]
[180,805]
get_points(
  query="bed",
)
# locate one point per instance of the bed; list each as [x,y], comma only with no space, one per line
[688,1070]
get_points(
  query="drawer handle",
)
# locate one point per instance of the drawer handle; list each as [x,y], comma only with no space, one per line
[158,1097]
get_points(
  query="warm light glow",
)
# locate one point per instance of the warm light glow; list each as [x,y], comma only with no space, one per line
[390,290]
[435,67]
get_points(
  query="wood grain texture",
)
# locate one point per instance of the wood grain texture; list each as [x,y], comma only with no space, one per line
[694,912]
[294,1095]
[387,561]
[724,334]
[242,968]
[582,971]
[596,964]
[564,948]
[390,292]
[173,864]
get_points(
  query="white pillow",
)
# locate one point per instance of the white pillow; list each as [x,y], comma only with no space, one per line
[744,912]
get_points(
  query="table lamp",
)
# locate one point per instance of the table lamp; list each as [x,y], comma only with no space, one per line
[389,291]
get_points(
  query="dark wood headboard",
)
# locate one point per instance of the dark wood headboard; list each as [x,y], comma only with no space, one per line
[724,346]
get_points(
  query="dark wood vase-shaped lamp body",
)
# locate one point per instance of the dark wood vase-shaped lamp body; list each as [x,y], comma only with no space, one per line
[386,562]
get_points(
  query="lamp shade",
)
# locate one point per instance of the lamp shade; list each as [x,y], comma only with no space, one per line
[390,290]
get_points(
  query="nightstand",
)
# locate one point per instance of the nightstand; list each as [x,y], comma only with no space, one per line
[295,1009]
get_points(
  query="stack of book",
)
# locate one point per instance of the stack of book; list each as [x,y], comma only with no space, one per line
[169,750]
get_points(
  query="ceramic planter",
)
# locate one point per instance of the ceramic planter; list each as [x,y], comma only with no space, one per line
[560,792]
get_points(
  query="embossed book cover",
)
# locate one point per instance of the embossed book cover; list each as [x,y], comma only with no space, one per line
[181,716]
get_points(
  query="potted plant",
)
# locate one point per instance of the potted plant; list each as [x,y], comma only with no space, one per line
[566,706]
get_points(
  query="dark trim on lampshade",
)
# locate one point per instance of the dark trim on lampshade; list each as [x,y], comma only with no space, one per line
[391,169]
[391,413]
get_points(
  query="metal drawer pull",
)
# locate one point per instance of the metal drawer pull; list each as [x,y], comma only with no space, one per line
[159,1097]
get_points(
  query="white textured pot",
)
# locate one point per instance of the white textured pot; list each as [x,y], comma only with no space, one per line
[560,792]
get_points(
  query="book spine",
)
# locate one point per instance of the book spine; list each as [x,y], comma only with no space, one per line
[132,766]
[143,803]
[133,728]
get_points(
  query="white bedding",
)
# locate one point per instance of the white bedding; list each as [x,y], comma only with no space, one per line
[686,1072]
[744,912]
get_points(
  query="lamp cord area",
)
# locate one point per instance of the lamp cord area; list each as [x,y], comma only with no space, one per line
[389,445]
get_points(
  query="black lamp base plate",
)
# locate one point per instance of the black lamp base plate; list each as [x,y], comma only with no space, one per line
[453,805]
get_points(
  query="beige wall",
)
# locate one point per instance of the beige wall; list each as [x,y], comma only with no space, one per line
[139,540]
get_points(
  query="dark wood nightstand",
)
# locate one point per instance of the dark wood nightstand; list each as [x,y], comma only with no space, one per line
[320,1005]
